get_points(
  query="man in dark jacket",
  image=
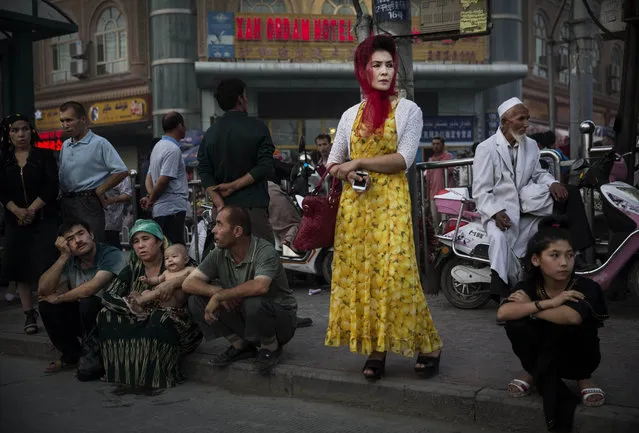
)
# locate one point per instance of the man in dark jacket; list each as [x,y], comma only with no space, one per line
[236,158]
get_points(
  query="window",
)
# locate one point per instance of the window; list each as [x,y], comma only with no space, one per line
[615,70]
[540,67]
[596,65]
[111,40]
[564,55]
[415,6]
[263,6]
[61,58]
[341,7]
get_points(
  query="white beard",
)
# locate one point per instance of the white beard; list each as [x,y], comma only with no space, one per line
[519,138]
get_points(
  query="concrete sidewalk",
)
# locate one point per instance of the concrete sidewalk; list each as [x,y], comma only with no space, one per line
[477,363]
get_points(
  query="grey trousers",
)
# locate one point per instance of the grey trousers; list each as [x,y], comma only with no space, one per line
[259,319]
[88,209]
[260,225]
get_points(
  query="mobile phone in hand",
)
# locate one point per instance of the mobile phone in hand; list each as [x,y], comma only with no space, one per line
[360,185]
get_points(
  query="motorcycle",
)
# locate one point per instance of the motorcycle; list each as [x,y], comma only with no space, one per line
[313,262]
[463,255]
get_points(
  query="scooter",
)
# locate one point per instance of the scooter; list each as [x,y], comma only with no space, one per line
[463,255]
[317,261]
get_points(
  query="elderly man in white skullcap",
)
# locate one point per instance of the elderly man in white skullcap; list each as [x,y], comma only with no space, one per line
[512,193]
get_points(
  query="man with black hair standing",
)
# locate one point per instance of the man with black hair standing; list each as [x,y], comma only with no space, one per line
[166,185]
[236,158]
[89,167]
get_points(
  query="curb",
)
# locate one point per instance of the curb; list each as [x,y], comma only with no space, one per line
[462,404]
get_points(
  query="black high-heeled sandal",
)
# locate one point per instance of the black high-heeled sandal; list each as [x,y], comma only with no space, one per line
[430,365]
[377,366]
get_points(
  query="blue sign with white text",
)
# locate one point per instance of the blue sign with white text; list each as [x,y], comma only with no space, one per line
[453,129]
[492,124]
[220,35]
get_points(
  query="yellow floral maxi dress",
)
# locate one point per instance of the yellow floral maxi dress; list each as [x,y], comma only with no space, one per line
[377,302]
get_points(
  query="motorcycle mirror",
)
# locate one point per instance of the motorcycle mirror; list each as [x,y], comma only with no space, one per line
[302,146]
[579,164]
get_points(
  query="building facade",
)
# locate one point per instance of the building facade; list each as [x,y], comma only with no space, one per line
[539,17]
[105,66]
[296,58]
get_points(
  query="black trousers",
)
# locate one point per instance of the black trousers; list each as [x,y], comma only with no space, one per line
[112,237]
[573,210]
[173,227]
[550,353]
[88,209]
[259,319]
[68,322]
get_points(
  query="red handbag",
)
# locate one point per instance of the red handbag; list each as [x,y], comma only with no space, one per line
[317,228]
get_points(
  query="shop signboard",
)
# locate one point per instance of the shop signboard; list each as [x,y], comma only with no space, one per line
[330,38]
[47,119]
[51,140]
[453,129]
[220,35]
[492,123]
[119,111]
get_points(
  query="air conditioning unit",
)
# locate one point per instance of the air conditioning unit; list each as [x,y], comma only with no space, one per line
[77,50]
[79,68]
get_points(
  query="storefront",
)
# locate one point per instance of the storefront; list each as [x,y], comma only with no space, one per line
[299,73]
[125,122]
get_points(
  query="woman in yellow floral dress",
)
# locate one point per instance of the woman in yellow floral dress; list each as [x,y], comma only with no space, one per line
[377,302]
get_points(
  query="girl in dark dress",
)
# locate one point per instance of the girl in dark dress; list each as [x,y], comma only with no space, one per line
[553,319]
[28,191]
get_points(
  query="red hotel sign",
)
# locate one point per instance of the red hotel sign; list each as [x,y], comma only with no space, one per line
[293,28]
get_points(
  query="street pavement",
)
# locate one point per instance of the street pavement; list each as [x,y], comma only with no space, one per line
[38,403]
[477,363]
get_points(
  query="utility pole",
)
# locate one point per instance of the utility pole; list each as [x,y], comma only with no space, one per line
[580,74]
[628,109]
[551,43]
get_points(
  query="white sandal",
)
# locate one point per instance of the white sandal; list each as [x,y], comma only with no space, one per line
[588,392]
[523,388]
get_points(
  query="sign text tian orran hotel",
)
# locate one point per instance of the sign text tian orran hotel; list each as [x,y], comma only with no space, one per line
[303,29]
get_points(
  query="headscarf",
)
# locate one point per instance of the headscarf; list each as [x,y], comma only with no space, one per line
[378,103]
[6,146]
[147,226]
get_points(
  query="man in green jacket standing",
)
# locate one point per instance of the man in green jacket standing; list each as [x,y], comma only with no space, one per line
[236,158]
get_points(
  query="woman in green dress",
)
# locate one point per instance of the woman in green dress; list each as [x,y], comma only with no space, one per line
[143,351]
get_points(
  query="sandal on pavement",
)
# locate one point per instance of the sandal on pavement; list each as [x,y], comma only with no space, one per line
[232,354]
[31,322]
[430,365]
[377,366]
[57,366]
[589,392]
[522,388]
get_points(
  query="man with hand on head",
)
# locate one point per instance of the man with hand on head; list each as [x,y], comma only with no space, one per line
[70,291]
[513,192]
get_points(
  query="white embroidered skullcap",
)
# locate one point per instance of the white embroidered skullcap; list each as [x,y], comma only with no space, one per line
[507,105]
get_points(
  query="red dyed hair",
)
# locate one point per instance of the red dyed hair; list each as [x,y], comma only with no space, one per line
[378,103]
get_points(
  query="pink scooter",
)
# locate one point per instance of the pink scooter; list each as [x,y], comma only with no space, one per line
[463,258]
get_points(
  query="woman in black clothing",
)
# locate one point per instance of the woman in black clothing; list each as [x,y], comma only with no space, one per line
[28,191]
[553,319]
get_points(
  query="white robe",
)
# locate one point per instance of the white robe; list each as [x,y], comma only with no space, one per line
[498,186]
